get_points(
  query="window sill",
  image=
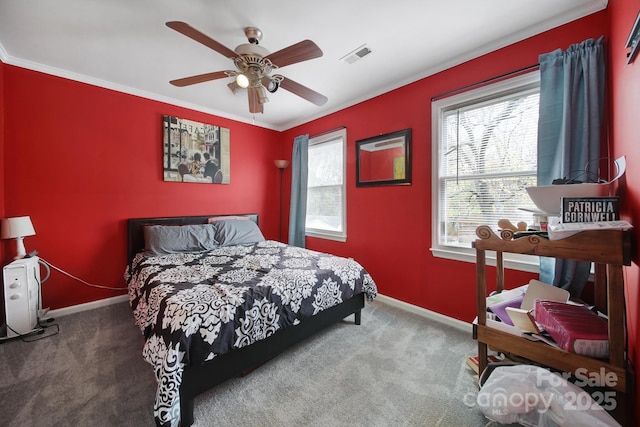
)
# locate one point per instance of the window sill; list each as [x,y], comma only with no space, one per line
[327,236]
[527,263]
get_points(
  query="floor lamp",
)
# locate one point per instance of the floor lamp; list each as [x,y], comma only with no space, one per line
[282,165]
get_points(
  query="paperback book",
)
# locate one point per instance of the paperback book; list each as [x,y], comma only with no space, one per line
[590,209]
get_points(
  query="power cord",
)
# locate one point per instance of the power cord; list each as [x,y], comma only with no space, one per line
[50,320]
[80,280]
[43,329]
[39,332]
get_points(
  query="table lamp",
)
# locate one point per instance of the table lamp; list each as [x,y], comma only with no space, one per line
[17,228]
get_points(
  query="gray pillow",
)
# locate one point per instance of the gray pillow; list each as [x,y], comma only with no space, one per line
[237,232]
[171,239]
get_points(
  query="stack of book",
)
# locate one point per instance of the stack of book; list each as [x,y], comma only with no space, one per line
[587,213]
[474,362]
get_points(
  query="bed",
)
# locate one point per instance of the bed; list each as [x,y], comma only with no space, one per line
[214,299]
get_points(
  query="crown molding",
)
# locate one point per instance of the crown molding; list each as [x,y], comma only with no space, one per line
[70,75]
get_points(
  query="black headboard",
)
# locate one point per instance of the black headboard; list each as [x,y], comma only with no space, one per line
[135,234]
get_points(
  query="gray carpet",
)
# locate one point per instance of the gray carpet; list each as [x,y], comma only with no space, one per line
[396,369]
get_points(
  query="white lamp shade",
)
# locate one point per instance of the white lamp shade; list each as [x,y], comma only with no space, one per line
[17,227]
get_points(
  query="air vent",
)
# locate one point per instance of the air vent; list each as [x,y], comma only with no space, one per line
[356,55]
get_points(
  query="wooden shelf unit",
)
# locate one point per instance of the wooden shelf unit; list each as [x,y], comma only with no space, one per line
[609,250]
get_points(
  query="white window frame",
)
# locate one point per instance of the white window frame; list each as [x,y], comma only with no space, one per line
[327,234]
[438,108]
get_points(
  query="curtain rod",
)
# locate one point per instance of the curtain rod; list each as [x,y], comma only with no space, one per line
[487,81]
[327,131]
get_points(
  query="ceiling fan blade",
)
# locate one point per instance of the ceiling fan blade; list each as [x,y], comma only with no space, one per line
[303,92]
[254,100]
[200,78]
[189,31]
[301,51]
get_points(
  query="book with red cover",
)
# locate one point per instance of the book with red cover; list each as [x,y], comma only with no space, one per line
[474,361]
[574,328]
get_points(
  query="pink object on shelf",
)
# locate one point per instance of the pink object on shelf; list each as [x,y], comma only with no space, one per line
[574,328]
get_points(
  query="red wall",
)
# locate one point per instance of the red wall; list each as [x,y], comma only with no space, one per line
[80,160]
[2,109]
[625,109]
[389,228]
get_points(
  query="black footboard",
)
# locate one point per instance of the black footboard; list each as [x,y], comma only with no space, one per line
[198,379]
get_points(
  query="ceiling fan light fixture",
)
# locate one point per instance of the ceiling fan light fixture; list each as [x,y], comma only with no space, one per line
[262,95]
[242,81]
[272,83]
[234,87]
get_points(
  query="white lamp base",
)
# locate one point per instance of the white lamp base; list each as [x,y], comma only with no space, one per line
[20,250]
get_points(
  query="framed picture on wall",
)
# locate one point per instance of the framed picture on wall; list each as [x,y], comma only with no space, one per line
[633,42]
[384,159]
[195,152]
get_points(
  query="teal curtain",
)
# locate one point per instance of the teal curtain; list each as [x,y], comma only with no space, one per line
[569,133]
[298,208]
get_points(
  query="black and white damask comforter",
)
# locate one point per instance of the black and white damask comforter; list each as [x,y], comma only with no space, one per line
[192,307]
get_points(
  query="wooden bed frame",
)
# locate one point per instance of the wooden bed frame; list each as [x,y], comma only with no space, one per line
[198,379]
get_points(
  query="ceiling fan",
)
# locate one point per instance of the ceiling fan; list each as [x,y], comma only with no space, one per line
[254,65]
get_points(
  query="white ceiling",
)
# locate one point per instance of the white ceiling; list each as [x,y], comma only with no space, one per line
[125,44]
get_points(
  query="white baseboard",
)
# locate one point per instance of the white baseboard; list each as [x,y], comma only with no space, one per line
[432,315]
[87,306]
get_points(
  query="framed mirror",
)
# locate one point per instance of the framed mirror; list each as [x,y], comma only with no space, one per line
[384,159]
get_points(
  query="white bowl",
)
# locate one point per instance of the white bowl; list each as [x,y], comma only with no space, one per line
[548,198]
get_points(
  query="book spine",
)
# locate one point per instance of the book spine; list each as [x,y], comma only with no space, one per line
[591,348]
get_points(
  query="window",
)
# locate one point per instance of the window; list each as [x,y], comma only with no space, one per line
[326,189]
[484,155]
